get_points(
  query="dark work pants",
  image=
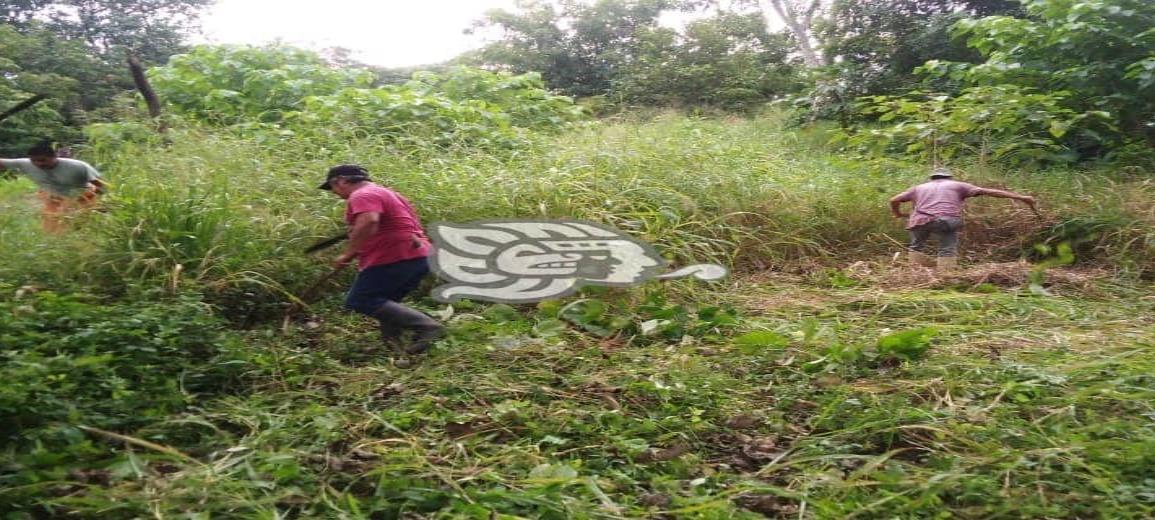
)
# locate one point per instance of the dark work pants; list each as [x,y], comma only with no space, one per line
[382,283]
[945,229]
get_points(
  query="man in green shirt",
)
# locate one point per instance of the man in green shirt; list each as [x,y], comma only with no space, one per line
[65,184]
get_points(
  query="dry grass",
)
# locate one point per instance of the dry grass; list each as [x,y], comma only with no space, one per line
[1003,274]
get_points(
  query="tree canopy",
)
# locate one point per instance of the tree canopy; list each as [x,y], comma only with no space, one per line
[74,53]
[1088,66]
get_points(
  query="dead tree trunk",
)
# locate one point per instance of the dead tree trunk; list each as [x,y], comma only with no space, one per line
[27,103]
[145,89]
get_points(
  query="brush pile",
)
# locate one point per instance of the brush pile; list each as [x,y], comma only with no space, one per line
[1002,274]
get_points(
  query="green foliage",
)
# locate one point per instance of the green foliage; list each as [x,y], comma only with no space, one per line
[755,341]
[907,345]
[151,29]
[71,361]
[880,44]
[1063,255]
[618,49]
[834,278]
[744,194]
[31,126]
[874,48]
[36,61]
[522,98]
[282,92]
[73,51]
[770,395]
[999,123]
[233,84]
[653,319]
[728,60]
[1096,48]
[851,357]
[464,106]
[578,47]
[1075,70]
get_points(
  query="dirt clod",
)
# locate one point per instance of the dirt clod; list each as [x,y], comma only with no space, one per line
[658,500]
[743,422]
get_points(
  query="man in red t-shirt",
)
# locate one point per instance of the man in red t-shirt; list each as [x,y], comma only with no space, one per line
[391,249]
[937,211]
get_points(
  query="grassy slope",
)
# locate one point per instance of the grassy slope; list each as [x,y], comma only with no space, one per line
[1026,406]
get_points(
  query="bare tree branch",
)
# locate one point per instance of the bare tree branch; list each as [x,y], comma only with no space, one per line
[145,88]
[27,103]
[800,25]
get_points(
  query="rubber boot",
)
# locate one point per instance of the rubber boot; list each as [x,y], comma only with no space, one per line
[918,259]
[947,264]
[396,317]
[390,333]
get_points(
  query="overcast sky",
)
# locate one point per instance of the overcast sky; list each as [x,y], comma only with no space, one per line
[381,32]
[391,33]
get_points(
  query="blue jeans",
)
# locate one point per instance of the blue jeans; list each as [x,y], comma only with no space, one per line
[383,283]
[944,228]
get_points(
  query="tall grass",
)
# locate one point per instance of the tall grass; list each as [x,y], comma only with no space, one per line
[232,214]
[1026,405]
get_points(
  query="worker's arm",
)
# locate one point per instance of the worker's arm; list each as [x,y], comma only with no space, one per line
[364,225]
[895,209]
[101,187]
[7,167]
[95,180]
[896,204]
[1002,194]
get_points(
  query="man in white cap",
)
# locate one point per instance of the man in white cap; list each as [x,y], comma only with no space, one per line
[937,212]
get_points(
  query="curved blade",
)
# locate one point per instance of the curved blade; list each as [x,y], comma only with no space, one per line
[325,243]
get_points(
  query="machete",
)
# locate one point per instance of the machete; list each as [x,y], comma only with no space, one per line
[301,303]
[326,243]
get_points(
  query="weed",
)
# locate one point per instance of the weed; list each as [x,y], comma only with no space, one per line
[129,390]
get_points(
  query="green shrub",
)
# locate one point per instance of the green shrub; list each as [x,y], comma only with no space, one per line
[230,84]
[69,360]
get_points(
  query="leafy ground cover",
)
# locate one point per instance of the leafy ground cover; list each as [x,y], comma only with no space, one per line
[801,400]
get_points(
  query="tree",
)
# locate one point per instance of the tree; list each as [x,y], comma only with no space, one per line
[872,47]
[151,29]
[875,45]
[74,52]
[579,48]
[1072,79]
[36,62]
[800,17]
[1103,50]
[230,84]
[21,129]
[727,60]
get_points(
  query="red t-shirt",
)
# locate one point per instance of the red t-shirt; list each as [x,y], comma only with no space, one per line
[398,226]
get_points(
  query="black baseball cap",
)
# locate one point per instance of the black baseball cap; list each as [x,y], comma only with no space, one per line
[350,171]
